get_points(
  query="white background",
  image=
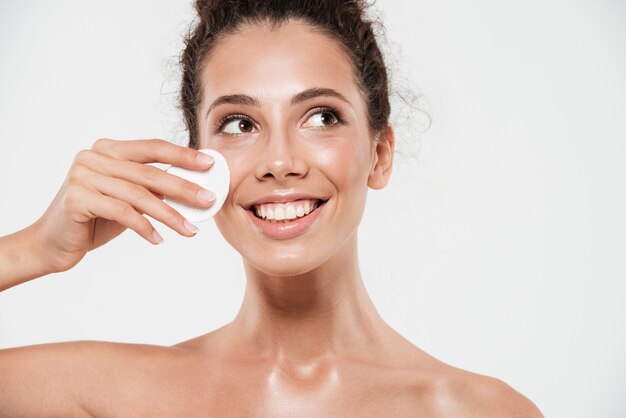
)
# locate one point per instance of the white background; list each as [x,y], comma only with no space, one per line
[500,250]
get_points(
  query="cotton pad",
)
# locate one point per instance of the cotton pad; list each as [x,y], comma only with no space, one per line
[215,179]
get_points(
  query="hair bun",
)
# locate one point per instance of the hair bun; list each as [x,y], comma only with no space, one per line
[345,21]
[204,6]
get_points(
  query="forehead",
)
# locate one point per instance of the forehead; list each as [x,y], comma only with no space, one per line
[275,64]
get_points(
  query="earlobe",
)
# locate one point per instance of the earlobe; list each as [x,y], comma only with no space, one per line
[383,159]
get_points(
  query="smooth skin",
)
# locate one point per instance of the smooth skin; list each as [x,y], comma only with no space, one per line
[307,341]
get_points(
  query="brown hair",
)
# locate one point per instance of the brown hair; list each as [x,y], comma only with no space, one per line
[343,20]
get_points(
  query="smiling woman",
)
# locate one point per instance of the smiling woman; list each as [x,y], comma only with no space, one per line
[302,133]
[294,95]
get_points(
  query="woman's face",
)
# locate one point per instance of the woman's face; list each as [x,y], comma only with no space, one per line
[283,108]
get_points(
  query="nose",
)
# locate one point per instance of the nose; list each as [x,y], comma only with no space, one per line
[280,158]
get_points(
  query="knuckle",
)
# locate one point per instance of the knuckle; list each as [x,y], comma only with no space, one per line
[144,226]
[150,173]
[189,189]
[138,223]
[157,143]
[82,157]
[171,216]
[188,154]
[139,193]
[101,143]
[77,173]
[122,210]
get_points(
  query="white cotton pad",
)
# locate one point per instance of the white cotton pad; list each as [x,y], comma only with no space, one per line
[215,179]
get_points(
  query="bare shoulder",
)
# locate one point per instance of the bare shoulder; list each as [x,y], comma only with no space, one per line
[452,392]
[71,378]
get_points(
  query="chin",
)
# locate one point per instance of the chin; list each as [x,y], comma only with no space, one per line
[279,258]
[284,265]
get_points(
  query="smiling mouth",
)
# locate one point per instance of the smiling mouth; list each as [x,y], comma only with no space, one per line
[286,212]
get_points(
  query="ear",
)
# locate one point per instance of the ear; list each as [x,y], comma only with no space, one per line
[382,159]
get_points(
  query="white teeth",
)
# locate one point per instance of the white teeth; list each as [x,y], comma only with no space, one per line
[279,213]
[290,212]
[285,211]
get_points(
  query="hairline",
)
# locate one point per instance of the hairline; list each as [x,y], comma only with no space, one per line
[275,24]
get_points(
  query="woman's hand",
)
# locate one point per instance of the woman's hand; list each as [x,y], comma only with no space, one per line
[109,188]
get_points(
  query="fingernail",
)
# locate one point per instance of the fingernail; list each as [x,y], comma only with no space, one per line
[204,158]
[204,194]
[158,238]
[190,227]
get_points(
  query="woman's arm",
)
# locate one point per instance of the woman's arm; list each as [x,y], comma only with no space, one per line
[78,379]
[107,190]
[43,380]
[21,258]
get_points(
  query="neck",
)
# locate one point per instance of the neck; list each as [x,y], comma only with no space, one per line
[323,313]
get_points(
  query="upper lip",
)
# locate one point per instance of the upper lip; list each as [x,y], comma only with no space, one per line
[283,198]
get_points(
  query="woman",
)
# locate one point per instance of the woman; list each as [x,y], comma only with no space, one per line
[294,95]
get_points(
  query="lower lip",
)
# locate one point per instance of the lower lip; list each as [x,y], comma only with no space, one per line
[287,230]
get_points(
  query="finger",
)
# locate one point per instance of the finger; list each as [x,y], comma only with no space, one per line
[142,200]
[90,205]
[152,178]
[153,151]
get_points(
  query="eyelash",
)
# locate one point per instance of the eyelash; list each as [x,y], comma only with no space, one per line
[226,119]
[236,116]
[335,112]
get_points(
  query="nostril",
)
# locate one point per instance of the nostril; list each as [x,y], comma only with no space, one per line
[276,175]
[281,167]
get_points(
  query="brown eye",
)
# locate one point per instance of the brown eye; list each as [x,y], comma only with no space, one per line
[327,118]
[237,125]
[321,119]
[245,126]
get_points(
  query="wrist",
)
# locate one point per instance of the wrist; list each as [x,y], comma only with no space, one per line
[35,249]
[22,257]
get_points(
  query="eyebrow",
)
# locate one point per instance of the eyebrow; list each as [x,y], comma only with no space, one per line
[308,94]
[316,92]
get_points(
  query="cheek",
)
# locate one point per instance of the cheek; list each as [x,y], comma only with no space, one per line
[239,168]
[240,164]
[347,164]
[347,167]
